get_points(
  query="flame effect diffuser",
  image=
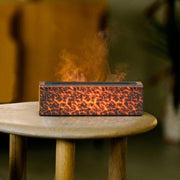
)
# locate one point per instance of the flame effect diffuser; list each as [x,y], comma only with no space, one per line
[91,98]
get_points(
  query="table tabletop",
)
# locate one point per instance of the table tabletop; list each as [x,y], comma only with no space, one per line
[23,119]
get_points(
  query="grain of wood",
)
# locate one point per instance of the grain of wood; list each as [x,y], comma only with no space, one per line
[23,119]
[65,160]
[17,157]
[117,159]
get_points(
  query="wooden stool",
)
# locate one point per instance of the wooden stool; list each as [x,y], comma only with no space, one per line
[22,120]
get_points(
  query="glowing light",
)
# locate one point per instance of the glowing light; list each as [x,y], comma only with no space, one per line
[99,100]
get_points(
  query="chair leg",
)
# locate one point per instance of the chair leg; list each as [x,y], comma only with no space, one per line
[65,160]
[117,159]
[17,157]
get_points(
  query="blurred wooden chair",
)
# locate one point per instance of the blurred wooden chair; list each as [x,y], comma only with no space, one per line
[8,52]
[45,30]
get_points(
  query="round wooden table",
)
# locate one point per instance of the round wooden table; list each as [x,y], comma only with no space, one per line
[22,120]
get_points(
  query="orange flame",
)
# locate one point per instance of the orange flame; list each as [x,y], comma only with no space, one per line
[86,62]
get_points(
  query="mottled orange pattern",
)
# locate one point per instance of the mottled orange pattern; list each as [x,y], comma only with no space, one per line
[99,100]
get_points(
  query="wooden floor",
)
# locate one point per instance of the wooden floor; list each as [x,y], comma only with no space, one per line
[148,158]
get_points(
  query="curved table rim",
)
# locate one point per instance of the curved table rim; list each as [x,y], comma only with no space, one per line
[13,120]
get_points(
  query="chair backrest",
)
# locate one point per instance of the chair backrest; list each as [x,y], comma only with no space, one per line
[49,31]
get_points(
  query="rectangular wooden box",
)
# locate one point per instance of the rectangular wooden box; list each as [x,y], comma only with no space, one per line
[91,98]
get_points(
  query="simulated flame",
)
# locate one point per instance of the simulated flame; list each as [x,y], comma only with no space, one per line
[87,62]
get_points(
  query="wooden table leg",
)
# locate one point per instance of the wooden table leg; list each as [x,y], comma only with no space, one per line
[65,160]
[17,157]
[117,159]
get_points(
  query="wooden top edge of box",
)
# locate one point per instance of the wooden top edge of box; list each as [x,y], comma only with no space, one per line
[92,84]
